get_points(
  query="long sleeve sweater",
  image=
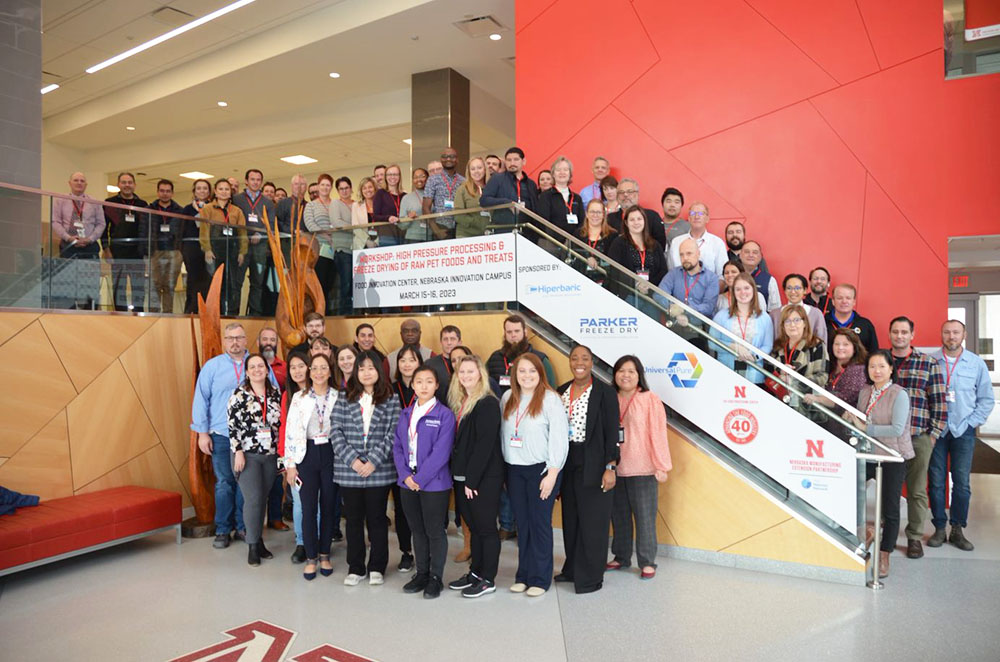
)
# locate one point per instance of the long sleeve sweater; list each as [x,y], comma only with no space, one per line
[544,438]
[645,450]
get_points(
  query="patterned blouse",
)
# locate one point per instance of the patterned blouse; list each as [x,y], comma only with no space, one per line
[576,411]
[248,430]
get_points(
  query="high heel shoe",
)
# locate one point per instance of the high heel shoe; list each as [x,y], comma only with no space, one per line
[326,572]
[310,575]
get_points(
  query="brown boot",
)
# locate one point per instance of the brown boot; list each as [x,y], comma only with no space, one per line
[466,552]
[883,564]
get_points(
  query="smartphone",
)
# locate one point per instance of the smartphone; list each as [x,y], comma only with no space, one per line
[298,483]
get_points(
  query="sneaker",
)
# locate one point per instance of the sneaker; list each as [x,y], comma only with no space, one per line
[299,555]
[535,591]
[519,587]
[417,584]
[405,563]
[938,538]
[481,587]
[463,582]
[353,580]
[433,588]
[375,579]
[221,541]
[958,539]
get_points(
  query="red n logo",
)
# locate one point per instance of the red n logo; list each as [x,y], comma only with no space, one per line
[741,391]
[814,448]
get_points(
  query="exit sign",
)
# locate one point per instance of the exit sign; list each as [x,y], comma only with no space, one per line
[959,281]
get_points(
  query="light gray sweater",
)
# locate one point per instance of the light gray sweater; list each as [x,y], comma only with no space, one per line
[544,438]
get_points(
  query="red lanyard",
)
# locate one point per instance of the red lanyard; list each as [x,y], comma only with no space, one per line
[872,405]
[253,203]
[826,304]
[411,425]
[593,244]
[789,353]
[454,180]
[506,366]
[397,200]
[569,204]
[621,417]
[518,183]
[462,408]
[688,288]
[743,329]
[572,400]
[642,260]
[950,369]
[78,208]
[402,396]
[517,420]
[238,369]
[263,404]
[447,365]
[225,212]
[836,379]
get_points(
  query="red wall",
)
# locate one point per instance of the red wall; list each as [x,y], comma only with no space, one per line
[827,127]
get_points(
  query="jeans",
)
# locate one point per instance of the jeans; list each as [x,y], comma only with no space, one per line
[228,498]
[534,539]
[274,498]
[507,522]
[959,449]
[257,268]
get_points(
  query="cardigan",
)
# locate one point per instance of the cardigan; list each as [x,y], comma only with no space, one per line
[435,439]
[293,434]
[646,449]
[889,418]
[600,446]
[544,438]
[810,362]
[477,454]
[244,411]
[762,338]
[469,225]
[350,442]
[209,232]
[384,205]
[554,208]
[624,253]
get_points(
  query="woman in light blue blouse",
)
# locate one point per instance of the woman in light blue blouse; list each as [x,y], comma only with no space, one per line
[745,319]
[535,436]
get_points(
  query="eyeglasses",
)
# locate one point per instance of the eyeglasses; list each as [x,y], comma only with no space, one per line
[794,320]
[697,214]
[794,288]
[625,191]
[232,338]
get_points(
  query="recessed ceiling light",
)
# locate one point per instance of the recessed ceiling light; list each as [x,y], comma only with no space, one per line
[196,175]
[298,159]
[169,35]
[334,74]
[408,141]
[222,104]
[130,128]
[113,189]
[496,36]
[50,88]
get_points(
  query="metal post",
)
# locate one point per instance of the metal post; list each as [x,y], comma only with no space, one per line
[875,584]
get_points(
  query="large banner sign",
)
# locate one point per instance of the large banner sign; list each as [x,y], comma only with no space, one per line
[791,449]
[472,270]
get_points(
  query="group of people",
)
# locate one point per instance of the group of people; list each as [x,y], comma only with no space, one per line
[348,426]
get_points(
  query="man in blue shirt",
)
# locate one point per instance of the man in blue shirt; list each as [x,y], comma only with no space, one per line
[693,284]
[218,379]
[439,194]
[970,401]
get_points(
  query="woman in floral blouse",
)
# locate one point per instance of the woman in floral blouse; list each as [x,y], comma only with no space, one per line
[254,418]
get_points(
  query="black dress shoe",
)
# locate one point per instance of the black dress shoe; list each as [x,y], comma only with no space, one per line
[263,551]
[417,584]
[299,555]
[433,588]
[221,541]
[253,555]
[914,550]
[338,536]
[562,577]
[240,535]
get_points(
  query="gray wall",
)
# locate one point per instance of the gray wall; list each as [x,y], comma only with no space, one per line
[20,149]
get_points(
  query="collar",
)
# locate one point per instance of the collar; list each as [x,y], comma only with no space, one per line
[247,192]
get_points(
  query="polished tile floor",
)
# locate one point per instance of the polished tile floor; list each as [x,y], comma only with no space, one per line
[154,600]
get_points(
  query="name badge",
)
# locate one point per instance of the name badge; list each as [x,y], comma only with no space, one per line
[80,232]
[264,438]
[516,442]
[572,219]
[449,204]
[227,232]
[164,227]
[319,441]
[504,380]
[519,201]
[951,395]
[373,232]
[129,217]
[621,435]
[643,274]
[252,218]
[590,268]
[484,213]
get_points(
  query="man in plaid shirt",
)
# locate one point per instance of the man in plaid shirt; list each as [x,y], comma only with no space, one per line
[920,375]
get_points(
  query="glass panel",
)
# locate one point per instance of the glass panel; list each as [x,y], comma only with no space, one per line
[971,38]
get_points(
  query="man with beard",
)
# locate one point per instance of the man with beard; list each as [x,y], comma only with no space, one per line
[515,343]
[409,333]
[315,327]
[736,235]
[819,283]
[364,340]
[123,246]
[694,284]
[267,345]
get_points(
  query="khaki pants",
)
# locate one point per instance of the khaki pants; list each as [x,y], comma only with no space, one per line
[165,266]
[916,486]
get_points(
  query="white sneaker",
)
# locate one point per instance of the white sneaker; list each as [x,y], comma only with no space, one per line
[535,591]
[519,587]
[375,579]
[353,580]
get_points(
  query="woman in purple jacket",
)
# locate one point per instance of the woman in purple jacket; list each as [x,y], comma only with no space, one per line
[425,435]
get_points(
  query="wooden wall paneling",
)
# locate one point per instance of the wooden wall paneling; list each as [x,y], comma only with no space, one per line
[150,469]
[107,426]
[42,465]
[2,460]
[33,389]
[12,323]
[87,344]
[165,394]
[793,541]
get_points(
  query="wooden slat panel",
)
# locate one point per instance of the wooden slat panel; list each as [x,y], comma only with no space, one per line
[87,344]
[42,465]
[151,469]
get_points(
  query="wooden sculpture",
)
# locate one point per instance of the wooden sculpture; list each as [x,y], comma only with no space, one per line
[301,292]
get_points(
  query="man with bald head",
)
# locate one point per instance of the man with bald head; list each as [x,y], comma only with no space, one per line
[79,225]
[409,333]
[691,282]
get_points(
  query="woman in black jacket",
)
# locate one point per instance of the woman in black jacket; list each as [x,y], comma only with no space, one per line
[559,205]
[636,250]
[477,469]
[589,474]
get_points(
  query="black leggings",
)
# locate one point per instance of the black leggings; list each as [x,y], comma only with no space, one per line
[893,476]
[480,513]
[317,491]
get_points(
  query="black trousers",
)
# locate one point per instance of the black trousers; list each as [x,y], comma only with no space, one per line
[198,279]
[403,533]
[586,519]
[365,506]
[427,513]
[480,513]
[893,477]
[316,473]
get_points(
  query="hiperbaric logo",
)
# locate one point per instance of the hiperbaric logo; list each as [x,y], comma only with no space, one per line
[609,326]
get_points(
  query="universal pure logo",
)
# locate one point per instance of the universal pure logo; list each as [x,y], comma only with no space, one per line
[684,370]
[609,326]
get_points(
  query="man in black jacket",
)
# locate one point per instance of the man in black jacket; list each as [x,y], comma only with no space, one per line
[510,186]
[124,248]
[628,195]
[163,236]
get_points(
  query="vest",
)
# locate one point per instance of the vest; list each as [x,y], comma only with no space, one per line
[881,414]
[763,279]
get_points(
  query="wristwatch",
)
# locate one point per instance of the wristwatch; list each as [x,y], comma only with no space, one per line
[611,467]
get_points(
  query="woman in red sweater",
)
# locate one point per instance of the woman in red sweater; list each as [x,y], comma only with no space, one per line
[645,461]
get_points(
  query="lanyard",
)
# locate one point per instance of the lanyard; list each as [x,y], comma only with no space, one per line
[462,408]
[621,417]
[743,328]
[868,411]
[789,353]
[517,420]
[517,182]
[321,410]
[569,203]
[593,244]
[836,379]
[225,212]
[688,288]
[642,260]
[263,405]
[447,365]
[826,304]
[253,203]
[506,366]
[572,400]
[451,188]
[238,369]
[397,200]
[412,427]
[402,396]
[78,208]
[950,369]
